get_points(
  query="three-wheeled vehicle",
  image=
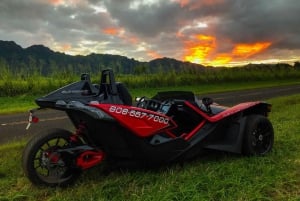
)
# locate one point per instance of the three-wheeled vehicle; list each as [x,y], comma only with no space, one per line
[172,126]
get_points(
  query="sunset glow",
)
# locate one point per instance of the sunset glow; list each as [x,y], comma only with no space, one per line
[201,49]
[198,50]
[207,32]
[221,59]
[247,50]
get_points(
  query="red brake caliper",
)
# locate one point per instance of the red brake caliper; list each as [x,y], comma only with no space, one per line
[88,159]
[54,158]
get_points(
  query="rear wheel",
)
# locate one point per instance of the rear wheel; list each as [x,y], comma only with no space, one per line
[258,136]
[44,164]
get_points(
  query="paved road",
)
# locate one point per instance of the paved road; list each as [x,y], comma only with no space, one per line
[12,127]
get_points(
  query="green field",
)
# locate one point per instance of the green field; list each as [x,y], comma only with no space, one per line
[18,89]
[216,176]
[23,103]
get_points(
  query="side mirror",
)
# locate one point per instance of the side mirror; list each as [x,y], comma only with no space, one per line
[207,101]
[85,77]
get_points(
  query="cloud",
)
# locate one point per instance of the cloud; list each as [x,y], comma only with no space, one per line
[247,50]
[147,29]
[144,19]
[251,23]
[111,31]
[248,21]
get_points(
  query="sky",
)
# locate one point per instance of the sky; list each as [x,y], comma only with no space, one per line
[208,32]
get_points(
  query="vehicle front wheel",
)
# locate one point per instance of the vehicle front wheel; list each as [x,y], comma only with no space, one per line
[258,136]
[44,164]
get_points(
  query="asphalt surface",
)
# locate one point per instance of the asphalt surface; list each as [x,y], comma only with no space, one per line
[13,127]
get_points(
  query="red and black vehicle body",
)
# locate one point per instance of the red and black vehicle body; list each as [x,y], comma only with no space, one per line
[171,126]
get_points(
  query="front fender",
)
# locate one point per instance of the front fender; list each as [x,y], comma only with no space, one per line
[262,108]
[246,108]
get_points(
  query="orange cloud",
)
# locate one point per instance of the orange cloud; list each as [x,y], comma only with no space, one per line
[122,34]
[56,2]
[133,39]
[183,3]
[221,59]
[153,54]
[247,50]
[128,37]
[202,49]
[111,31]
[66,47]
[198,49]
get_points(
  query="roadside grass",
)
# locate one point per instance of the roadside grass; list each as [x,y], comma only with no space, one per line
[23,103]
[215,176]
[16,104]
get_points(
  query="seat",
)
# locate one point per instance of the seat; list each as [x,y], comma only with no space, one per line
[121,97]
[124,94]
[214,108]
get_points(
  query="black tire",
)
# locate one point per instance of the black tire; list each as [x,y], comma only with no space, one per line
[43,165]
[258,136]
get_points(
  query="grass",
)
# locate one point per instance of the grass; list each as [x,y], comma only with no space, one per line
[25,102]
[16,104]
[216,176]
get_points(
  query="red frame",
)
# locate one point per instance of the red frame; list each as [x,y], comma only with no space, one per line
[142,122]
[228,112]
[147,122]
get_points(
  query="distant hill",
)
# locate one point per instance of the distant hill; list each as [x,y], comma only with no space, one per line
[41,59]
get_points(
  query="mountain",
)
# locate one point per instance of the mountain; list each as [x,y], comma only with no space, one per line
[9,50]
[41,59]
[40,51]
[7,47]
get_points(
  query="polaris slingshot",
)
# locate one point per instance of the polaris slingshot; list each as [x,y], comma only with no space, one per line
[172,126]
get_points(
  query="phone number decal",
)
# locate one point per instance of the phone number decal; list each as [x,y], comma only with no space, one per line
[139,114]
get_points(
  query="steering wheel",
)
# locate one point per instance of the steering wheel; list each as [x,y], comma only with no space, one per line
[142,102]
[165,106]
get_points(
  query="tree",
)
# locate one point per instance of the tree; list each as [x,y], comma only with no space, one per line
[4,69]
[297,65]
